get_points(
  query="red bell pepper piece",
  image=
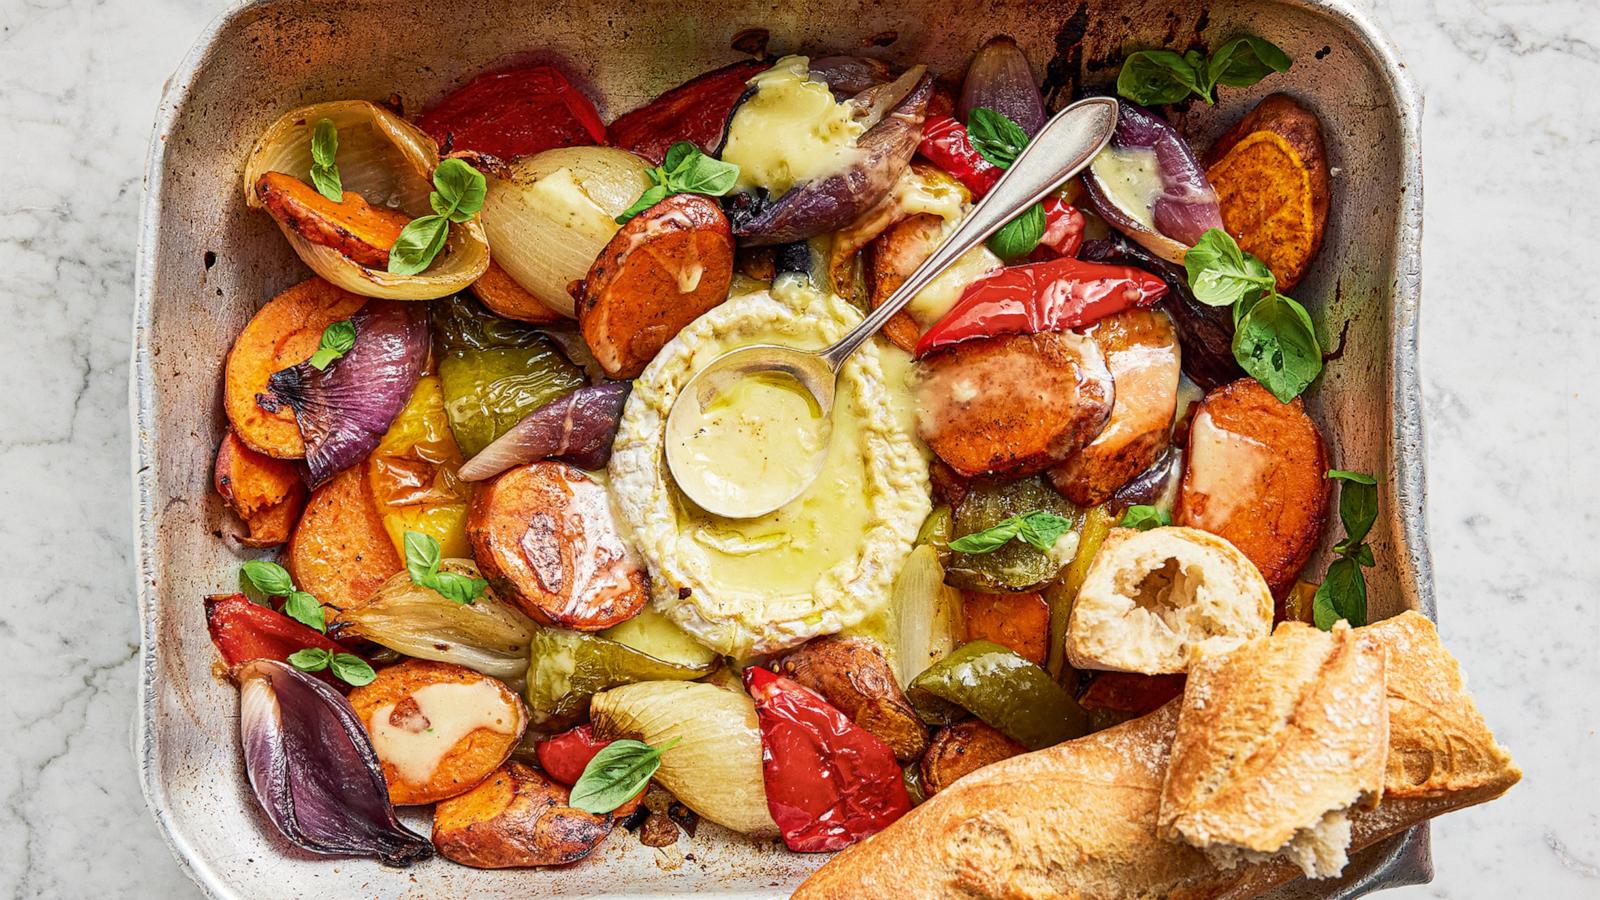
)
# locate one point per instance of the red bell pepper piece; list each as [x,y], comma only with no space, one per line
[515,112]
[244,631]
[829,782]
[946,145]
[565,756]
[696,111]
[1054,295]
[1063,228]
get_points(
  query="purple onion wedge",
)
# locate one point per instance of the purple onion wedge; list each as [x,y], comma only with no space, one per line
[344,410]
[1000,79]
[313,769]
[1148,185]
[848,76]
[829,203]
[576,429]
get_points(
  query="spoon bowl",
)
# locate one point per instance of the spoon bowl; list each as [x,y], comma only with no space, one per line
[1058,152]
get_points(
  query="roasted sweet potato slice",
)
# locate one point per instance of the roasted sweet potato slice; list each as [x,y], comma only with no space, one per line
[1130,692]
[352,226]
[1255,475]
[664,268]
[439,729]
[339,551]
[516,817]
[1141,349]
[1013,405]
[1271,176]
[544,536]
[890,259]
[853,675]
[283,333]
[267,493]
[1018,621]
[963,748]
[504,297]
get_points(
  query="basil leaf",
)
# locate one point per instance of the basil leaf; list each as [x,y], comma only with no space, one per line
[352,669]
[422,556]
[1276,345]
[1363,555]
[311,659]
[1222,274]
[989,539]
[1347,475]
[268,578]
[1042,529]
[1358,509]
[337,339]
[455,587]
[419,242]
[1145,518]
[616,774]
[676,154]
[1018,237]
[996,138]
[649,198]
[1342,595]
[1244,61]
[324,172]
[1156,77]
[304,608]
[462,187]
[700,174]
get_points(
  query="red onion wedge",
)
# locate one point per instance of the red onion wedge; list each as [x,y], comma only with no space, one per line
[344,410]
[1148,185]
[848,76]
[313,769]
[1000,79]
[576,429]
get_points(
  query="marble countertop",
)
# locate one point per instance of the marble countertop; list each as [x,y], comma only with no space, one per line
[1509,370]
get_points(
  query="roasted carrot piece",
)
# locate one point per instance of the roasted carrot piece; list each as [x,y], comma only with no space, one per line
[1018,621]
[352,226]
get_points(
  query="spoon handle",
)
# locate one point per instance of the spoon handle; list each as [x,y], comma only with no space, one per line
[1059,151]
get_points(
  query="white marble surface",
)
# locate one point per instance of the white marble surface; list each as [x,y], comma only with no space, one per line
[1510,367]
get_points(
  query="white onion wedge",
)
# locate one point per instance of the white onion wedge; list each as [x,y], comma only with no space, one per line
[924,615]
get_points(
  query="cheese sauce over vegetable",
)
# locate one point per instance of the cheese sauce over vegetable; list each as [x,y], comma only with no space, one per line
[415,734]
[1132,178]
[790,131]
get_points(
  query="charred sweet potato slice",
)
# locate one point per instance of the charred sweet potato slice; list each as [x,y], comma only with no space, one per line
[963,748]
[516,817]
[1130,692]
[1270,172]
[267,493]
[340,552]
[544,537]
[664,268]
[853,675]
[352,226]
[1255,475]
[504,297]
[438,729]
[283,333]
[890,259]
[1013,405]
[1018,621]
[1141,350]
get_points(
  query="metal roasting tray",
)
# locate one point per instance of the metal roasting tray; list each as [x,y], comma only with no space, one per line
[206,263]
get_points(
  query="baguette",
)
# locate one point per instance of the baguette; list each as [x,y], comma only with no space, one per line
[1079,820]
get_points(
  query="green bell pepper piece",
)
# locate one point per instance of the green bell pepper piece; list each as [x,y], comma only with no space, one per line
[992,682]
[566,668]
[1017,566]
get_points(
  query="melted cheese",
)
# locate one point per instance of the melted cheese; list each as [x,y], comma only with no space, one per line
[417,740]
[791,130]
[1132,180]
[1224,468]
[932,302]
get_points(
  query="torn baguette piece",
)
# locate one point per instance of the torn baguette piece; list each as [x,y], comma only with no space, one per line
[1152,598]
[1276,743]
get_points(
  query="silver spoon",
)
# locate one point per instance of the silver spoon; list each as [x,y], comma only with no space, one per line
[1059,151]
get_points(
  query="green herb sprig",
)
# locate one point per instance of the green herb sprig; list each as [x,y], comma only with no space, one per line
[1039,529]
[347,667]
[458,195]
[262,580]
[1144,518]
[1343,592]
[422,564]
[337,339]
[616,774]
[1154,77]
[324,170]
[1274,340]
[1000,141]
[685,170]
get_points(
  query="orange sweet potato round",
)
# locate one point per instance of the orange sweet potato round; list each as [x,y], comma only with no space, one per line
[267,493]
[516,817]
[504,297]
[438,729]
[962,749]
[351,226]
[283,333]
[340,552]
